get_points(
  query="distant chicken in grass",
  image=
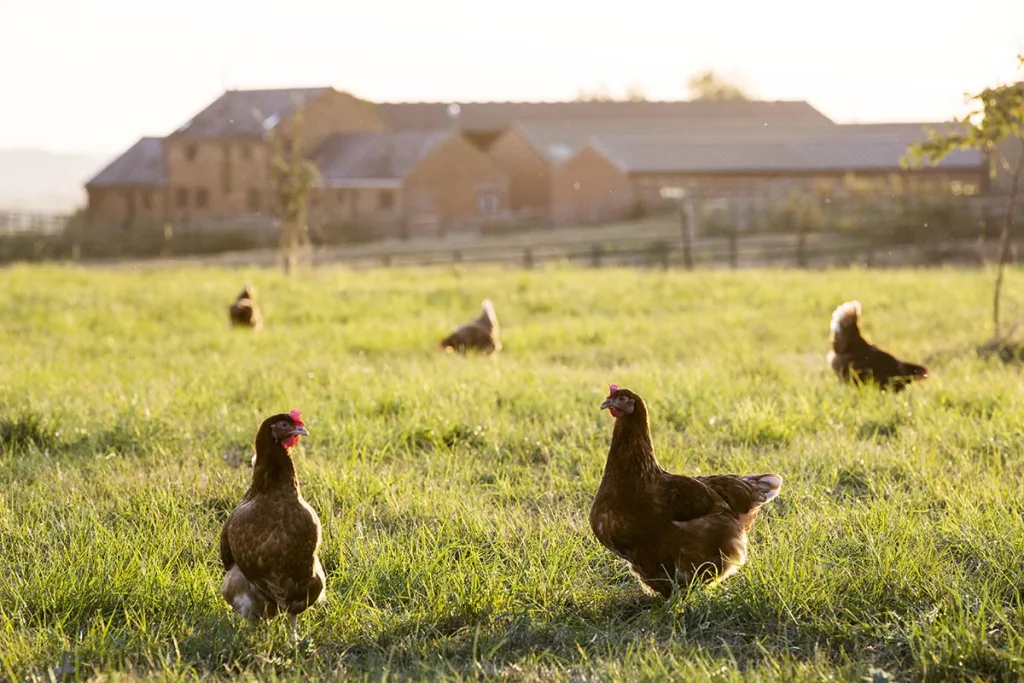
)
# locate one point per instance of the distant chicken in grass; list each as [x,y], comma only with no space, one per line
[269,543]
[480,336]
[856,360]
[244,312]
[670,529]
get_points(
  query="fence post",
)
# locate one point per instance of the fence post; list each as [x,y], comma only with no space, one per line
[456,256]
[734,248]
[165,248]
[386,260]
[595,256]
[801,248]
[528,258]
[686,223]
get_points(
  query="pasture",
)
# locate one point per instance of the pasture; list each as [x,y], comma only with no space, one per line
[454,491]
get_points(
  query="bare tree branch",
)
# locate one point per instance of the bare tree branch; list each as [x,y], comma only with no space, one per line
[292,178]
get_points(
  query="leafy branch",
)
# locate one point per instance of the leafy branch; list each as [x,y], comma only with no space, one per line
[997,116]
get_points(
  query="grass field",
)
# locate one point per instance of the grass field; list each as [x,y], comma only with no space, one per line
[454,492]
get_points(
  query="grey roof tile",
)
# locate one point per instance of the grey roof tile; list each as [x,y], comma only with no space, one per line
[560,139]
[142,166]
[485,116]
[246,113]
[840,149]
[350,157]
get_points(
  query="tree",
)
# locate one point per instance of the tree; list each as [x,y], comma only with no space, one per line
[602,93]
[635,93]
[996,117]
[598,94]
[292,179]
[707,85]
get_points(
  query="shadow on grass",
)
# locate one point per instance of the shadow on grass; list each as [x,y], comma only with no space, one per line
[1007,352]
[619,629]
[616,628]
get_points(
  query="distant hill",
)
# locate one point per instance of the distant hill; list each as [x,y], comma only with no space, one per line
[37,180]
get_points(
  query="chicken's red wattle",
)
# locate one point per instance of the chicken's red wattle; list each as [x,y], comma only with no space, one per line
[290,441]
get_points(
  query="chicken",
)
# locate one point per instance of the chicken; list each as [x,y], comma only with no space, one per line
[244,312]
[854,359]
[481,335]
[670,529]
[269,543]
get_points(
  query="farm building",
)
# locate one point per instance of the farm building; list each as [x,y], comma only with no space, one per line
[485,122]
[737,162]
[423,164]
[427,181]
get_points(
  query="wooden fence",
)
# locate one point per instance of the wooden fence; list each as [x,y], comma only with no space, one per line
[22,222]
[747,251]
[666,241]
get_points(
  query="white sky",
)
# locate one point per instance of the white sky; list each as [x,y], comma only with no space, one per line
[94,76]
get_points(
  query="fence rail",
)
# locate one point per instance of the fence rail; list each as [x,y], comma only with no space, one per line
[780,250]
[22,222]
[837,235]
[750,251]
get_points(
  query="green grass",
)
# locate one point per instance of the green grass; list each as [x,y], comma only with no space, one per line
[454,492]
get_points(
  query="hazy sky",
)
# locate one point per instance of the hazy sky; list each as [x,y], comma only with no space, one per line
[94,76]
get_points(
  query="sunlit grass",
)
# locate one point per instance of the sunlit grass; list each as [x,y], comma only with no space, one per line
[454,492]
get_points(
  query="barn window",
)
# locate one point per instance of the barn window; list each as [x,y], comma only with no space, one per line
[488,201]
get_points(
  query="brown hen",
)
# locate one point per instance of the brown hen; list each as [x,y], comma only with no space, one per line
[670,529]
[856,360]
[269,543]
[244,312]
[479,336]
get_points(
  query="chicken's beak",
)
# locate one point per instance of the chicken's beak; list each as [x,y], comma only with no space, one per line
[607,403]
[299,429]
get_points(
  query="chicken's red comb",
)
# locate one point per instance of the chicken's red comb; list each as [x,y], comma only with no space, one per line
[612,388]
[296,417]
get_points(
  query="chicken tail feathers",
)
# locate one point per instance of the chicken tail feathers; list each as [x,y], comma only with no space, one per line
[845,325]
[768,485]
[488,313]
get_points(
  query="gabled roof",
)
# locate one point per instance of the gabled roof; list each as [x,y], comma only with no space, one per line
[872,147]
[488,116]
[247,113]
[141,166]
[368,158]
